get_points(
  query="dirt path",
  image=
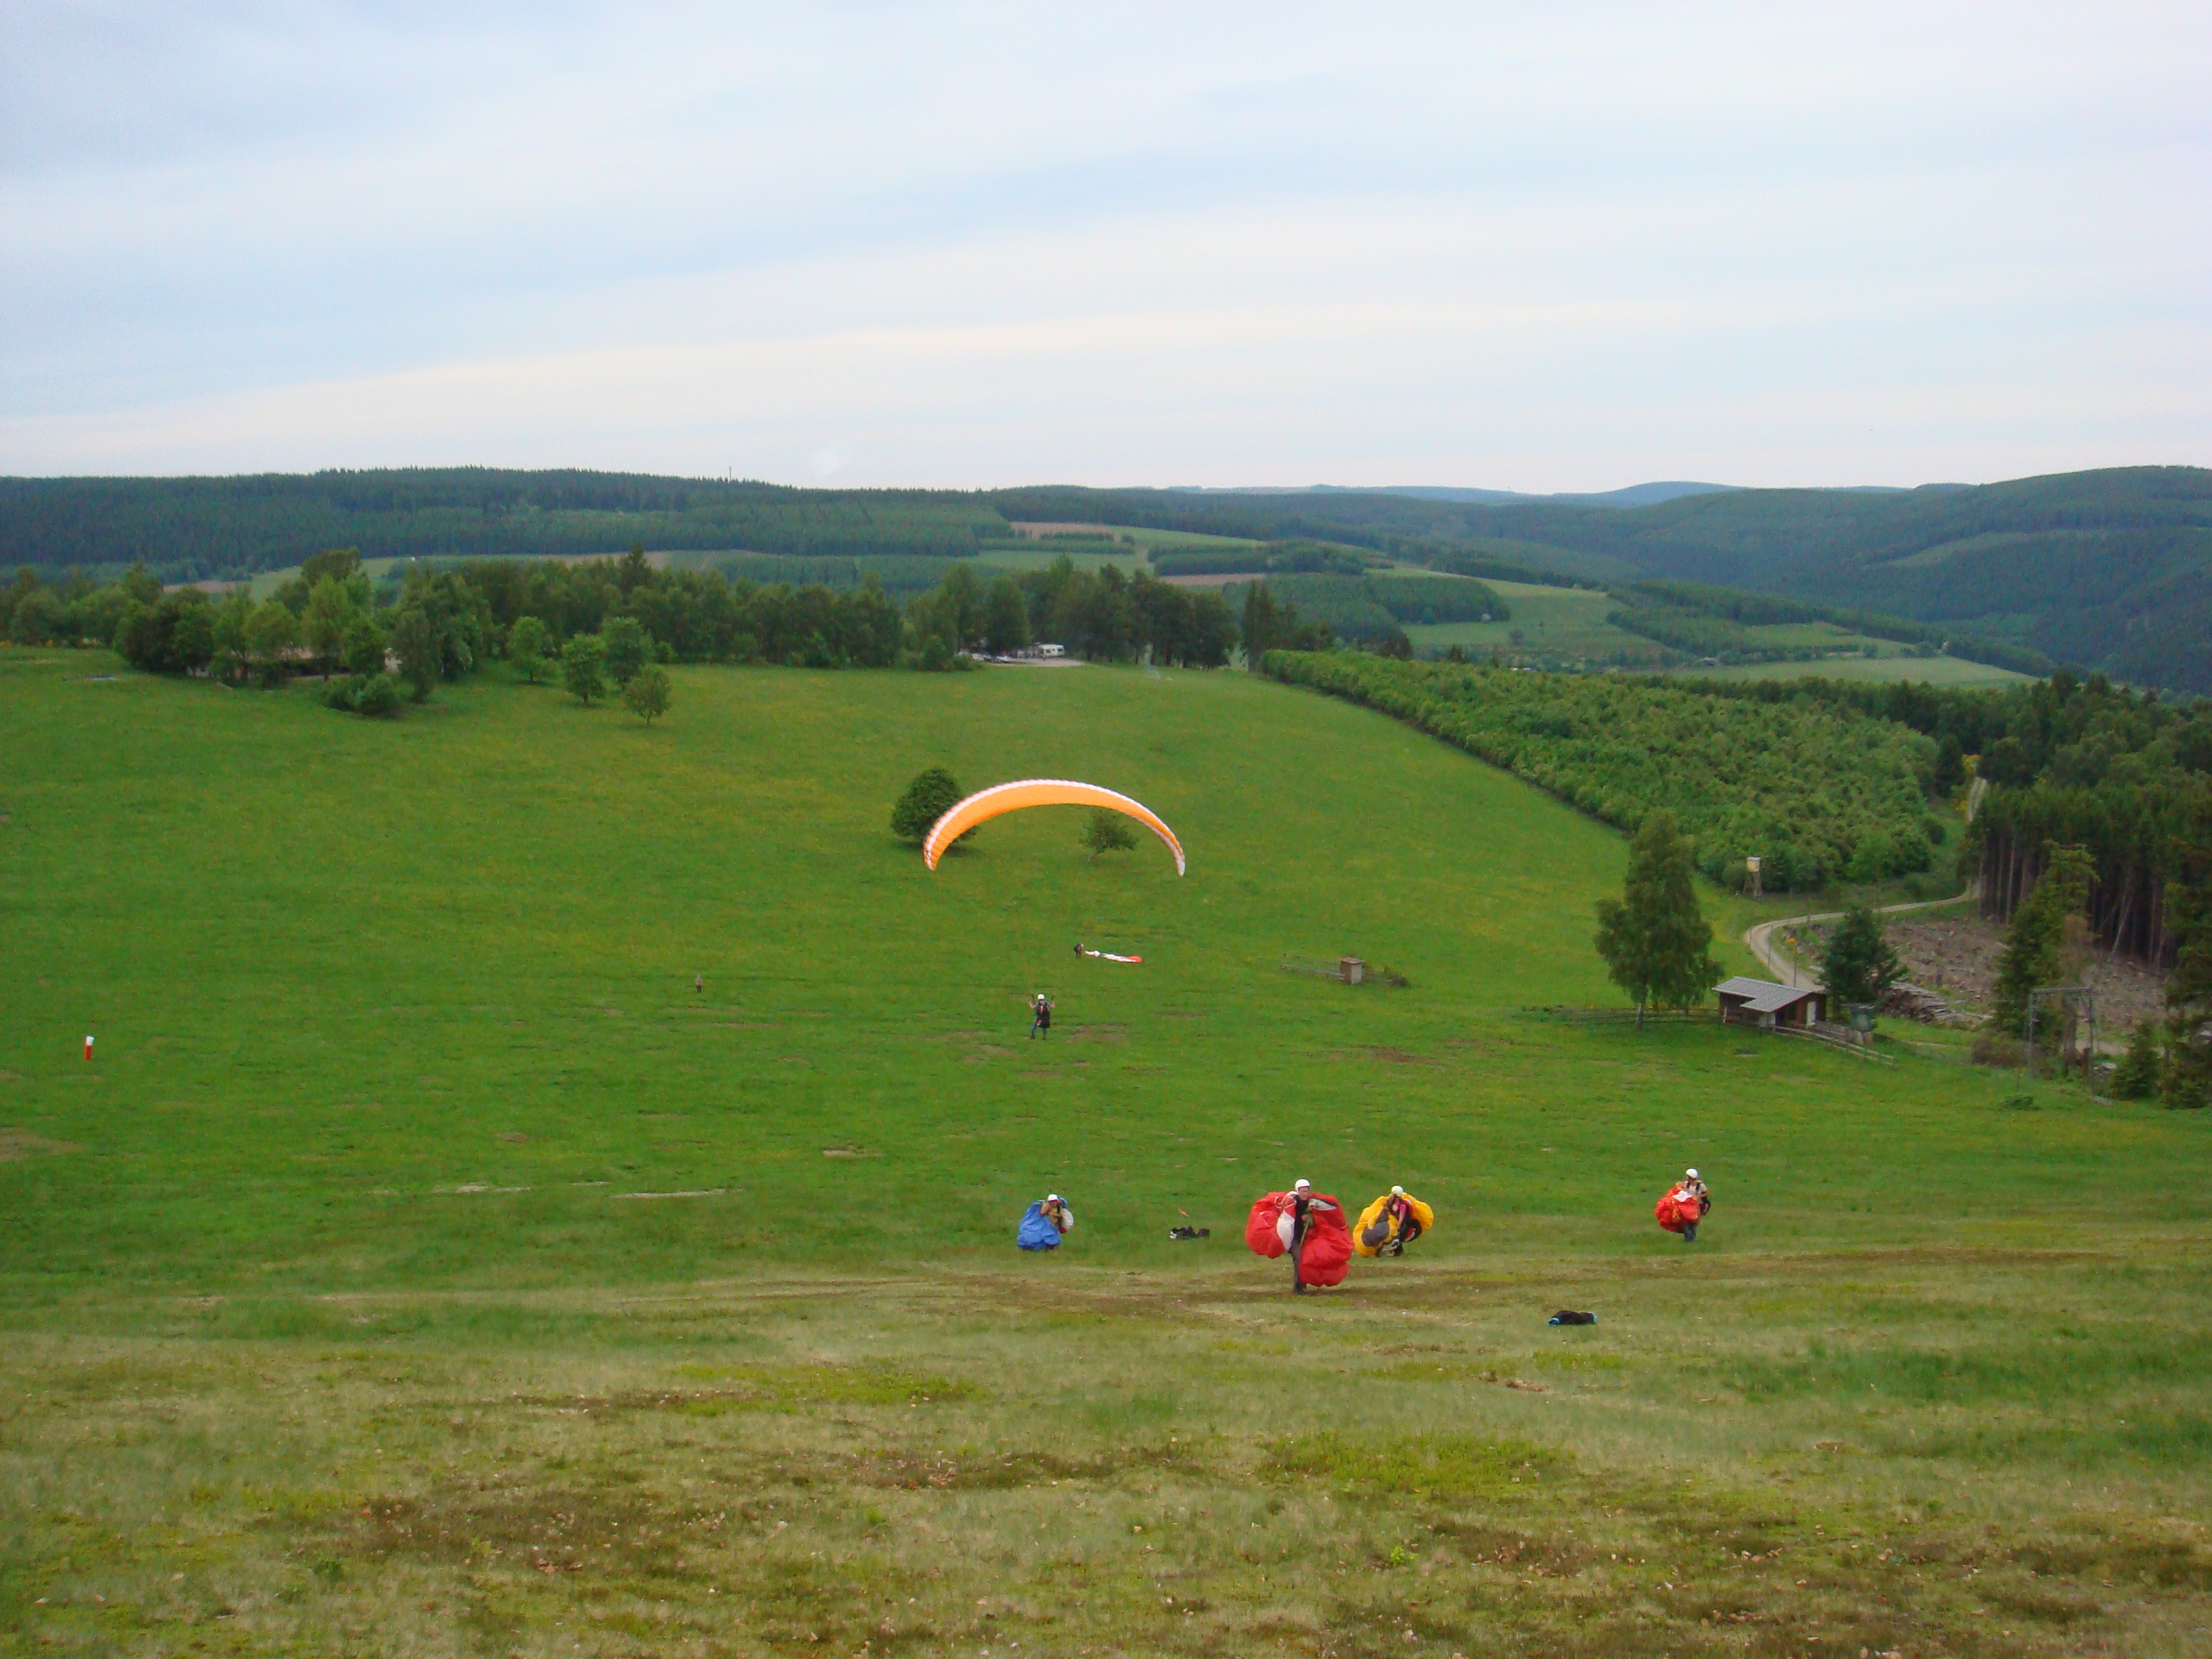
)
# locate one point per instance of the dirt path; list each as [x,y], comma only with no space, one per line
[1781,963]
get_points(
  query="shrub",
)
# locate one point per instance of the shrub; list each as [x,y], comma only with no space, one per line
[380,697]
[647,694]
[928,798]
[1107,832]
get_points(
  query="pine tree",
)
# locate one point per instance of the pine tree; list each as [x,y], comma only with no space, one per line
[1858,965]
[2035,946]
[2141,1070]
[2188,1079]
[1656,943]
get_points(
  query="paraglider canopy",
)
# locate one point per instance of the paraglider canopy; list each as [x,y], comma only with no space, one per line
[988,804]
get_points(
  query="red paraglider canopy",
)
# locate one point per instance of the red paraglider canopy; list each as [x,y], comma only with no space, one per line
[1678,1210]
[1327,1247]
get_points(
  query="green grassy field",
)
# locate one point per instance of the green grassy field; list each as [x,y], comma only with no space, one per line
[1555,624]
[423,1265]
[1929,671]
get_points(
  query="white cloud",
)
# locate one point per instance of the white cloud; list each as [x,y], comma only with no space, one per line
[958,244]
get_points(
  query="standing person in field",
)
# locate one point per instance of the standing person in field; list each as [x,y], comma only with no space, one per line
[1684,1206]
[1694,1191]
[1041,1015]
[1307,1226]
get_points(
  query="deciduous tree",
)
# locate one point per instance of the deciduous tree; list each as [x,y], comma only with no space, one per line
[1107,832]
[1656,943]
[584,667]
[525,647]
[647,695]
[627,649]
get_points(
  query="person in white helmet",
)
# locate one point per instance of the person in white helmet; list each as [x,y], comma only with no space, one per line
[1039,1015]
[1692,1188]
[1045,1223]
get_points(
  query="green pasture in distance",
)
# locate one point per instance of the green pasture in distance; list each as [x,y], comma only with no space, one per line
[1553,623]
[1928,671]
[1180,540]
[1044,554]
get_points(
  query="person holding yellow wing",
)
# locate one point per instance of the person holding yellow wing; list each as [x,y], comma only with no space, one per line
[1391,1222]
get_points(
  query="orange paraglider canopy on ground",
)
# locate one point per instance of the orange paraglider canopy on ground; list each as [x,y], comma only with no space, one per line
[988,804]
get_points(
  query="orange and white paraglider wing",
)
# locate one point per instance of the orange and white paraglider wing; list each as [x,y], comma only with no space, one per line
[988,804]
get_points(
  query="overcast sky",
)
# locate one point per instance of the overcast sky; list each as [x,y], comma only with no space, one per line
[1567,247]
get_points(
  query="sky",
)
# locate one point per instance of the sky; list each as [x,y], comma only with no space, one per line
[1559,247]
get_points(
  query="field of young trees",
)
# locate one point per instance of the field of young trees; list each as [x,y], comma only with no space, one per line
[1820,792]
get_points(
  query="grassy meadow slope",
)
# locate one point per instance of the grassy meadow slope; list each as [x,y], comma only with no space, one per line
[332,1318]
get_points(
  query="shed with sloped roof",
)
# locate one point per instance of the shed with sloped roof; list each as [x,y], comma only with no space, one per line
[1763,1002]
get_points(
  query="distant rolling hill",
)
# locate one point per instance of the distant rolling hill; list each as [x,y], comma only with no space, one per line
[2108,570]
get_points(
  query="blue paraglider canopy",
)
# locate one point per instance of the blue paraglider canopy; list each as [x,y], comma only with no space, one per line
[1041,1228]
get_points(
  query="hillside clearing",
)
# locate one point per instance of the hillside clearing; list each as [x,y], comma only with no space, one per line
[341,1328]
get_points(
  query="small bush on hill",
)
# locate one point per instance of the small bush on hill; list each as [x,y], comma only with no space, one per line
[1107,832]
[930,795]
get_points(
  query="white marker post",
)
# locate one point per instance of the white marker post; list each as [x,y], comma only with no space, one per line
[87,1050]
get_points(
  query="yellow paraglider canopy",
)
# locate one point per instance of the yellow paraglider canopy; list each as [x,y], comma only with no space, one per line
[988,804]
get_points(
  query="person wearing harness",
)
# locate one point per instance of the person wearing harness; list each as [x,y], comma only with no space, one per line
[1391,1222]
[1307,1209]
[1693,1192]
[1041,1015]
[1045,1223]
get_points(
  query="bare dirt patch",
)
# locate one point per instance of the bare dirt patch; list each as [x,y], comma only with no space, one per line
[21,1143]
[1956,958]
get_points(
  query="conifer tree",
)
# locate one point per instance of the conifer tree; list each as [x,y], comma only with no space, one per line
[2141,1070]
[2187,1081]
[1858,965]
[2035,946]
[1656,943]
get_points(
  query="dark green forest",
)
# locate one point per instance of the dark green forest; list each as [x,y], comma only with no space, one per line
[227,529]
[2107,571]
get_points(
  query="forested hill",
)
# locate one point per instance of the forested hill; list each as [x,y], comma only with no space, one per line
[190,529]
[2108,570]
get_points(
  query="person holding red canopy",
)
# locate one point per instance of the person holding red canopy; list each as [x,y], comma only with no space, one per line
[1307,1226]
[1684,1206]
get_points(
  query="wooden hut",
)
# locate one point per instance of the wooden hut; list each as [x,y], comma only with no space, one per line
[1763,1002]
